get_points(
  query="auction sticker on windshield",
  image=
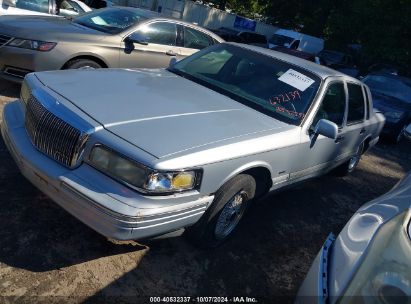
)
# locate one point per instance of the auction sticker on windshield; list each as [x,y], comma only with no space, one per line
[296,80]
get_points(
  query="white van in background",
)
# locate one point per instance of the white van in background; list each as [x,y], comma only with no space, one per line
[297,41]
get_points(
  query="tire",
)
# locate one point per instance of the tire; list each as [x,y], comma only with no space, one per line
[350,165]
[82,64]
[221,219]
[400,135]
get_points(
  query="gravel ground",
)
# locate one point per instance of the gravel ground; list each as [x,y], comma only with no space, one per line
[47,255]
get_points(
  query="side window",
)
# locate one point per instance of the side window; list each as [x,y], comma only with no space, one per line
[332,106]
[356,109]
[194,39]
[160,33]
[41,6]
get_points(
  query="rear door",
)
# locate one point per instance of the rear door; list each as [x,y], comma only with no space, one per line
[356,124]
[161,38]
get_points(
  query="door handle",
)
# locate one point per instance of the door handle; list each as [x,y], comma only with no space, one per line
[339,139]
[362,131]
[171,53]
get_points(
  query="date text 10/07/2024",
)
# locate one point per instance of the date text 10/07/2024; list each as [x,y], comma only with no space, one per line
[203,300]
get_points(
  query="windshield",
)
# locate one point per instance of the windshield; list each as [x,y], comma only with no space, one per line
[280,40]
[389,86]
[276,88]
[111,20]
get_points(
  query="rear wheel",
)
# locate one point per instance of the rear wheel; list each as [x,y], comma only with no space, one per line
[82,64]
[400,135]
[350,165]
[224,214]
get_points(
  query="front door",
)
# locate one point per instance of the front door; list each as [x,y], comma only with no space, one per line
[161,39]
[317,156]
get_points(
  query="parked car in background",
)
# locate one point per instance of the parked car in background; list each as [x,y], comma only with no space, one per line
[339,61]
[112,37]
[99,3]
[370,260]
[43,7]
[141,153]
[299,54]
[245,37]
[392,97]
[295,40]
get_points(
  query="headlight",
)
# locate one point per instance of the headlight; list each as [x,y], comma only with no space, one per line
[25,92]
[384,275]
[32,44]
[393,115]
[140,177]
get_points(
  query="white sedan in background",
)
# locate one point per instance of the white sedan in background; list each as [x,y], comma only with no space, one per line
[43,7]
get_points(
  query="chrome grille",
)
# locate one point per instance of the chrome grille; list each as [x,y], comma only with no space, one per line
[4,39]
[51,135]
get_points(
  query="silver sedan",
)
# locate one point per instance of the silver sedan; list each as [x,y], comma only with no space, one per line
[139,153]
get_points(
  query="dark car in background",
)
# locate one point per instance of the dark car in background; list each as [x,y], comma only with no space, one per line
[245,37]
[299,54]
[392,96]
[339,61]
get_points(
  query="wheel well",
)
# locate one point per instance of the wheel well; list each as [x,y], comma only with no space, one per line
[366,145]
[262,178]
[97,60]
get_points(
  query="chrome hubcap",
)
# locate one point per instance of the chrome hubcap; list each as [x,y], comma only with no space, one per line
[230,215]
[353,162]
[86,67]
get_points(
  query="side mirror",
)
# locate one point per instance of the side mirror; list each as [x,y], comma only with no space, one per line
[137,37]
[10,3]
[173,61]
[326,128]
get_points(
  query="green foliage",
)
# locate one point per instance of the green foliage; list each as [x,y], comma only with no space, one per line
[382,27]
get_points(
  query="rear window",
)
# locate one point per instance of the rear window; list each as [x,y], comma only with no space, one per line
[356,110]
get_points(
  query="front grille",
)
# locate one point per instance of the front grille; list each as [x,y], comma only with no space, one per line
[4,39]
[51,135]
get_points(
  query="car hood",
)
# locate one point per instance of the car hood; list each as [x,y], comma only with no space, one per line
[158,111]
[44,28]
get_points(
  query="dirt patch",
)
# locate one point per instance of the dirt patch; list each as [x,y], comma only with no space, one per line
[46,252]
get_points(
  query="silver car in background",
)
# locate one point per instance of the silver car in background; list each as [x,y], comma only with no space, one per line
[140,153]
[370,261]
[117,37]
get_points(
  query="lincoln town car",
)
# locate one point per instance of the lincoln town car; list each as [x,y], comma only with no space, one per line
[139,153]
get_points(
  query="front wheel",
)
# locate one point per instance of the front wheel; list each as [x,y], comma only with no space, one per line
[82,64]
[350,165]
[222,217]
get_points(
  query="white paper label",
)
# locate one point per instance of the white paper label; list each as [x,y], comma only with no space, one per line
[296,79]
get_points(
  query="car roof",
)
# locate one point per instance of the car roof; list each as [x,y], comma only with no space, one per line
[150,15]
[143,12]
[320,70]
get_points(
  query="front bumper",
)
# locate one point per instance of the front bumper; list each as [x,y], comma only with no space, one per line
[15,62]
[83,193]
